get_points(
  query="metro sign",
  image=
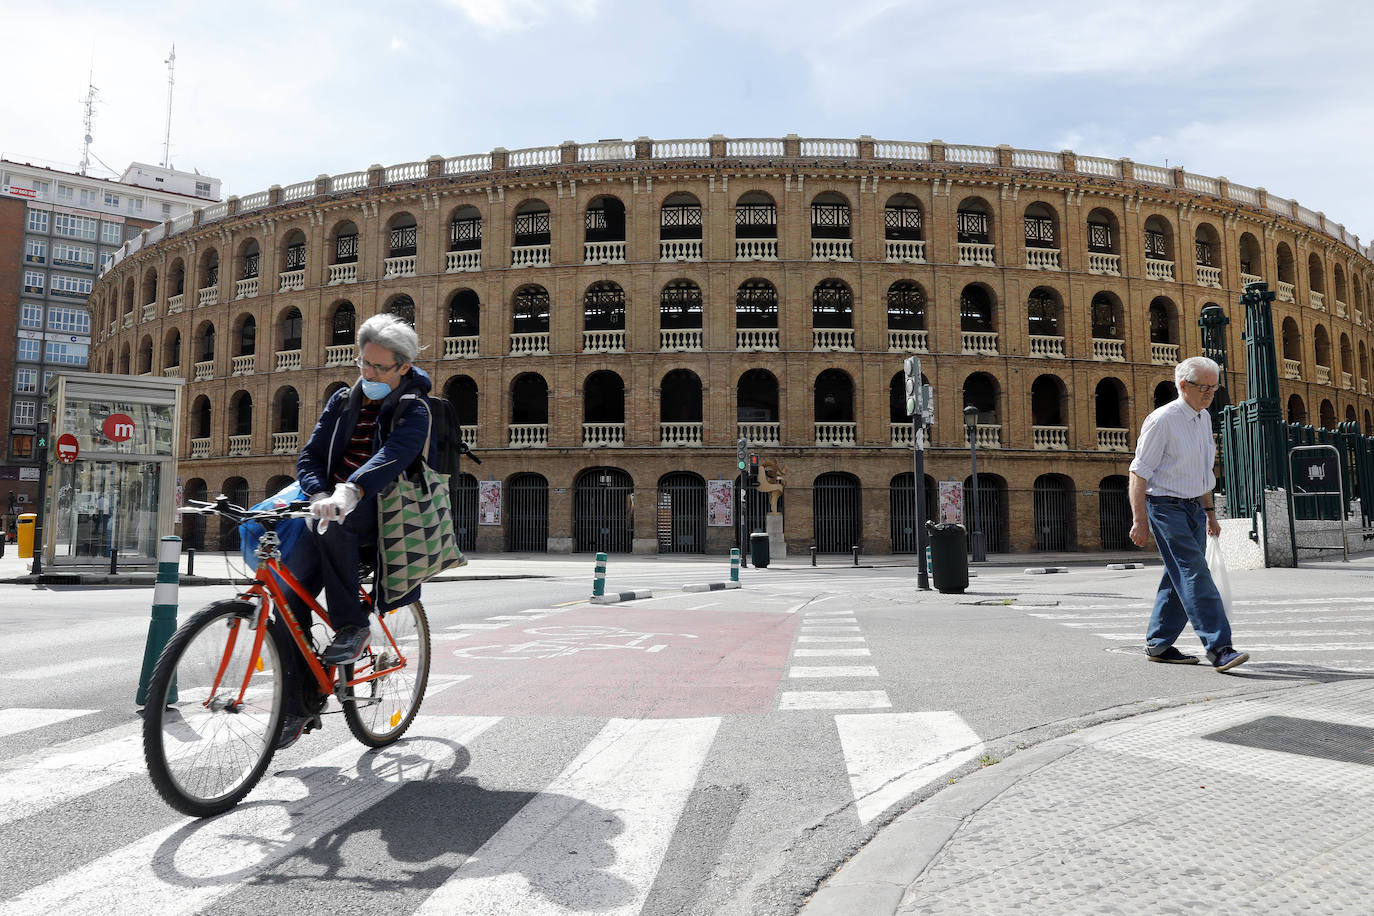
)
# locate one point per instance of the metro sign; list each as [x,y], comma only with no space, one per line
[118,427]
[67,448]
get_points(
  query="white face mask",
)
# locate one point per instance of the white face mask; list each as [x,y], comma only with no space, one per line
[375,390]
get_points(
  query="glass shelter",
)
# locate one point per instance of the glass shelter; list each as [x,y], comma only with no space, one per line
[120,491]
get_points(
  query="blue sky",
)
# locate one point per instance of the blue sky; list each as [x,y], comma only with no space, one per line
[1273,94]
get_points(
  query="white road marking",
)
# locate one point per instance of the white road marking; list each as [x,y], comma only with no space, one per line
[595,837]
[16,720]
[477,626]
[832,671]
[834,699]
[890,755]
[830,639]
[836,651]
[441,682]
[699,607]
[65,669]
[40,780]
[836,629]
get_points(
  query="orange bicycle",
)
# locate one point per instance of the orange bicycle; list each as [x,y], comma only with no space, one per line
[217,694]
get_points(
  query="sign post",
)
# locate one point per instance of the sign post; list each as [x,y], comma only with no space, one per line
[916,396]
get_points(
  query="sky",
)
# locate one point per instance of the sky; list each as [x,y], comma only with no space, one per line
[1271,94]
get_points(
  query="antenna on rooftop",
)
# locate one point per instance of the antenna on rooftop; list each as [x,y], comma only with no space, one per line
[88,121]
[171,63]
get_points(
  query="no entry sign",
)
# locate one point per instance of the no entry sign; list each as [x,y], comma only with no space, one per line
[67,448]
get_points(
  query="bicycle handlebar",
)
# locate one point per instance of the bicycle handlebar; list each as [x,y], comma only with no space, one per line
[222,506]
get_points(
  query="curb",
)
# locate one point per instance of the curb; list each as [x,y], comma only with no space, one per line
[1125,565]
[617,597]
[1044,570]
[710,586]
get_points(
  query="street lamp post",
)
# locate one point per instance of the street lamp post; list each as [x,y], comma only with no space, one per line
[971,427]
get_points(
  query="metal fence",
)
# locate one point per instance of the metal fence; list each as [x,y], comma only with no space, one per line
[464,491]
[681,513]
[902,507]
[992,511]
[1114,514]
[836,512]
[602,520]
[527,513]
[1053,512]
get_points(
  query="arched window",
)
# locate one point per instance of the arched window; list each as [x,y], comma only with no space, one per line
[291,325]
[603,398]
[293,251]
[287,411]
[756,304]
[248,257]
[248,336]
[530,310]
[1159,240]
[756,216]
[343,326]
[1163,321]
[906,307]
[464,314]
[680,218]
[1110,401]
[679,306]
[1251,261]
[1297,411]
[756,397]
[832,305]
[529,399]
[902,219]
[982,391]
[834,401]
[973,222]
[205,343]
[1106,317]
[830,216]
[171,349]
[465,230]
[1041,226]
[461,392]
[603,307]
[403,307]
[679,399]
[345,244]
[241,409]
[975,308]
[532,224]
[1048,396]
[1042,318]
[402,236]
[605,220]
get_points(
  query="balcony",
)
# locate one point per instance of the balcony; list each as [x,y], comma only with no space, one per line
[1047,345]
[171,372]
[460,347]
[1042,259]
[286,443]
[1347,381]
[976,254]
[529,435]
[679,433]
[1159,270]
[402,266]
[679,249]
[1359,317]
[832,249]
[1247,279]
[205,370]
[908,341]
[1113,440]
[243,365]
[989,435]
[1050,438]
[338,355]
[603,252]
[1109,350]
[531,255]
[176,303]
[679,339]
[756,338]
[1208,276]
[207,295]
[901,434]
[603,341]
[1163,354]
[832,339]
[759,433]
[1323,375]
[469,434]
[149,312]
[603,435]
[1284,291]
[1108,265]
[1292,369]
[905,252]
[456,262]
[838,434]
[1364,386]
[200,448]
[536,344]
[240,446]
[288,360]
[128,319]
[756,249]
[1341,311]
[246,288]
[1318,300]
[288,281]
[343,273]
[979,343]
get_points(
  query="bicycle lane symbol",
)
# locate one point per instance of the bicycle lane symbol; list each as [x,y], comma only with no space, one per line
[564,641]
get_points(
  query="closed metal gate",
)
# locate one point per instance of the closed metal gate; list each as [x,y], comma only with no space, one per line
[602,520]
[992,511]
[1114,514]
[465,511]
[527,513]
[193,526]
[681,513]
[1054,527]
[756,511]
[835,510]
[902,515]
[236,488]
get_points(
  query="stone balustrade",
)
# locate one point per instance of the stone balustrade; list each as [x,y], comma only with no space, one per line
[200,448]
[531,255]
[288,360]
[400,266]
[832,339]
[1208,276]
[204,371]
[1347,381]
[1108,265]
[756,249]
[1292,368]
[338,355]
[1042,258]
[171,372]
[533,344]
[759,433]
[460,261]
[469,434]
[979,343]
[603,341]
[975,254]
[989,435]
[286,443]
[1341,309]
[1323,375]
[679,339]
[603,435]
[900,251]
[832,249]
[603,252]
[343,273]
[1317,299]
[207,295]
[679,250]
[243,365]
[756,338]
[1164,354]
[1284,291]
[1159,270]
[901,434]
[1047,345]
[460,347]
[1247,279]
[1053,438]
[908,341]
[176,304]
[289,281]
[1110,350]
[838,434]
[1110,439]
[529,435]
[246,288]
[679,433]
[128,319]
[240,446]
[149,312]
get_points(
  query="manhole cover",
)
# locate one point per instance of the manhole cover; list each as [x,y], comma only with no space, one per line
[1309,737]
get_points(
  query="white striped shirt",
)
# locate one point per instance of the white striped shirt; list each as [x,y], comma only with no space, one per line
[1175,451]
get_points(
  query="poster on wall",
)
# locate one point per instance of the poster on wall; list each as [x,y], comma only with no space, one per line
[951,502]
[720,505]
[489,502]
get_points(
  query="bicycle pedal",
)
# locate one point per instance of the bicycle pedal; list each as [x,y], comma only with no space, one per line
[312,725]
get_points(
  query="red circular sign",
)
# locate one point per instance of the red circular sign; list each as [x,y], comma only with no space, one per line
[118,427]
[67,448]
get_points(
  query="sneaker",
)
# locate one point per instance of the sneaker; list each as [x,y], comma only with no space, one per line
[348,644]
[292,727]
[1228,658]
[1172,656]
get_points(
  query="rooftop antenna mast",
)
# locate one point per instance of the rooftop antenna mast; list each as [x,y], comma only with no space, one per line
[171,63]
[88,121]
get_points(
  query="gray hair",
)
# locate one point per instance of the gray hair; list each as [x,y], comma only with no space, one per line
[392,332]
[1187,370]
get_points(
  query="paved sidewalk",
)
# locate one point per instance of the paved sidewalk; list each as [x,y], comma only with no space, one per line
[1258,804]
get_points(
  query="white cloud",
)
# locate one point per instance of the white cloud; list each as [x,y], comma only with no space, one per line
[501,16]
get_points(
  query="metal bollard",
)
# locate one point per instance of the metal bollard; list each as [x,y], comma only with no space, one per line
[191,562]
[599,583]
[813,556]
[734,564]
[164,620]
[114,560]
[856,555]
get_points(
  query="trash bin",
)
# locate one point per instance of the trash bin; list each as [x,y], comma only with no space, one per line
[758,549]
[948,558]
[26,523]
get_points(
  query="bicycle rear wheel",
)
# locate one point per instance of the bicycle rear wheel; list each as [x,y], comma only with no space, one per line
[205,750]
[380,710]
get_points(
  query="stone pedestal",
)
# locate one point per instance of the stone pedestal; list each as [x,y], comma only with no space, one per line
[777,546]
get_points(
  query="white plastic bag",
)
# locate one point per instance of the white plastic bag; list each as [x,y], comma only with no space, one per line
[1216,564]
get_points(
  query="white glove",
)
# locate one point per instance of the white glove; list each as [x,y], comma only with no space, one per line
[316,497]
[334,508]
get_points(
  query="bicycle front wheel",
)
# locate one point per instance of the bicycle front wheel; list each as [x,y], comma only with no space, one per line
[379,710]
[214,708]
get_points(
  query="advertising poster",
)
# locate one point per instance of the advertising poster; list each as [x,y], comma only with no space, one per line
[951,502]
[489,502]
[719,504]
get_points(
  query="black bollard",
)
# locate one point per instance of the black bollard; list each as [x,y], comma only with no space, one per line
[114,560]
[191,562]
[813,556]
[856,556]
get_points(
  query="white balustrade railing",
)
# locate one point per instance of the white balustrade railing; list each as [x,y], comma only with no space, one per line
[1105,264]
[1347,380]
[1047,345]
[603,252]
[679,339]
[256,201]
[286,443]
[908,341]
[469,434]
[1292,368]
[128,319]
[529,435]
[832,249]
[338,355]
[753,147]
[534,156]
[980,343]
[974,155]
[1284,291]
[534,344]
[408,171]
[756,338]
[679,433]
[531,255]
[901,149]
[1042,258]
[1113,440]
[343,273]
[977,254]
[1208,276]
[835,433]
[298,191]
[1036,159]
[1201,184]
[290,280]
[607,150]
[246,289]
[1340,309]
[1364,386]
[240,446]
[832,338]
[171,371]
[1245,195]
[759,433]
[1323,375]
[402,266]
[901,434]
[1163,354]
[756,249]
[834,149]
[1108,349]
[348,181]
[200,448]
[176,304]
[681,149]
[288,360]
[149,311]
[460,347]
[900,251]
[603,341]
[1247,279]
[1318,300]
[467,165]
[1153,174]
[1096,165]
[603,435]
[204,371]
[679,249]
[1159,270]
[1359,317]
[1054,438]
[243,365]
[459,261]
[989,435]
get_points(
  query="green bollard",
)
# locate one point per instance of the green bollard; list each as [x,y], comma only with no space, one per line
[164,620]
[599,583]
[734,564]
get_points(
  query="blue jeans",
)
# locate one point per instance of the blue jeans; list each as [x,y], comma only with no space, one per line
[1187,593]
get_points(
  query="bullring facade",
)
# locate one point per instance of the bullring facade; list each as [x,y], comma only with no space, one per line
[608,318]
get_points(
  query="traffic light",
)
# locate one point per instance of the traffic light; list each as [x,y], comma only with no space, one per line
[741,448]
[753,470]
[911,366]
[41,440]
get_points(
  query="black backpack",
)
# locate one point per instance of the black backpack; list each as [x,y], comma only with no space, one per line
[447,436]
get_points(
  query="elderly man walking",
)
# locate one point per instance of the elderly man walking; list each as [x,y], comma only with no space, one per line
[1171,498]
